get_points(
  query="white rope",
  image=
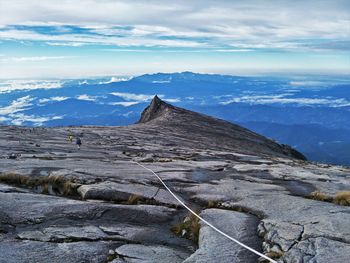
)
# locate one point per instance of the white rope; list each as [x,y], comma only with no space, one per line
[205,221]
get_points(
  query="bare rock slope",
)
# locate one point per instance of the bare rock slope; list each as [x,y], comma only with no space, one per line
[59,203]
[207,132]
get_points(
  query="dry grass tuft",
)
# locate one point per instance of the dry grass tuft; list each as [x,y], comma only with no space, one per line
[45,189]
[213,204]
[14,179]
[189,228]
[274,254]
[59,184]
[165,160]
[133,199]
[342,198]
[56,180]
[319,196]
[70,188]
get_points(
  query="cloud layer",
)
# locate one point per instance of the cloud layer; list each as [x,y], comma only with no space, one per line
[94,38]
[12,85]
[237,24]
[284,99]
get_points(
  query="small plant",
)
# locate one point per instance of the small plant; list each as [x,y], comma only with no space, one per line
[274,254]
[14,179]
[56,180]
[317,195]
[110,258]
[69,188]
[164,160]
[342,198]
[213,204]
[112,255]
[45,189]
[133,199]
[189,228]
[58,183]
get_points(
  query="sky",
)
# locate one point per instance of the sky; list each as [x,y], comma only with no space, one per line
[86,38]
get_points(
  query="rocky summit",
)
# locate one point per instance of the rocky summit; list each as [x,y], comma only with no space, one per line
[61,203]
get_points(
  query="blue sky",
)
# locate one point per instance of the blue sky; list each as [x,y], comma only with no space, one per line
[71,39]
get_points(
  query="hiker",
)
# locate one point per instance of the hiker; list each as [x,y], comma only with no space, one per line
[78,142]
[70,138]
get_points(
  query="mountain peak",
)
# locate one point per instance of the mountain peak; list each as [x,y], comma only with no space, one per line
[156,109]
[208,132]
[156,100]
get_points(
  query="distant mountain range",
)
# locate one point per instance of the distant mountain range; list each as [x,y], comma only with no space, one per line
[312,114]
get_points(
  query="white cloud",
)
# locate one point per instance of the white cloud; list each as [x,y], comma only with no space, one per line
[127,114]
[66,44]
[307,83]
[127,50]
[85,82]
[124,103]
[173,100]
[31,59]
[280,99]
[181,27]
[123,41]
[20,118]
[161,81]
[13,112]
[134,97]
[11,85]
[243,24]
[20,104]
[232,50]
[116,79]
[87,97]
[143,50]
[58,98]
[3,119]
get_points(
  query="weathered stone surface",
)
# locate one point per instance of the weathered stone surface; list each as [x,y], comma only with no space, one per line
[320,250]
[202,159]
[61,234]
[111,191]
[149,254]
[63,229]
[42,252]
[291,219]
[214,247]
[282,234]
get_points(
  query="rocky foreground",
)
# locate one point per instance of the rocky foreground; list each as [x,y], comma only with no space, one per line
[59,203]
